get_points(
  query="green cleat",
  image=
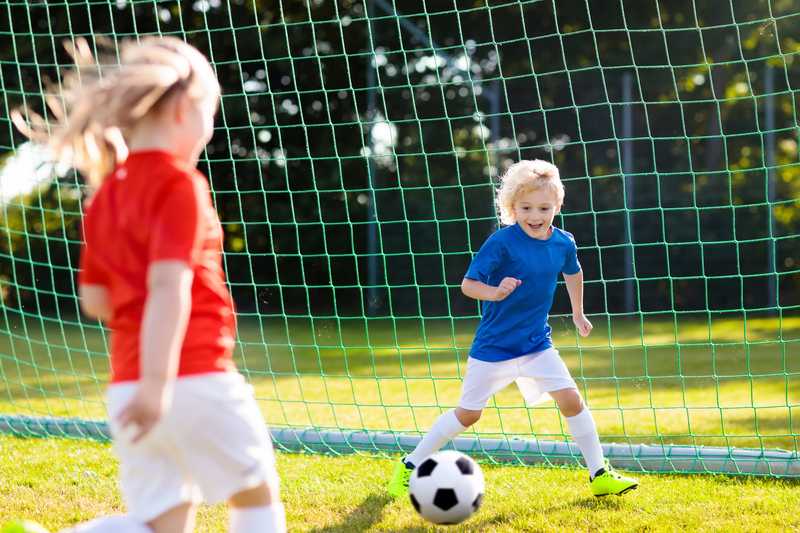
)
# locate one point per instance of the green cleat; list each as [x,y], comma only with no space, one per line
[23,526]
[608,481]
[398,485]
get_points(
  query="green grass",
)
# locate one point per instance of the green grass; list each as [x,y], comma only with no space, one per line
[60,482]
[697,378]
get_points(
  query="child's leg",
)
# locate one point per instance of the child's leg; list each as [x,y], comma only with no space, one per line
[110,524]
[481,381]
[468,417]
[158,496]
[179,519]
[446,427]
[231,456]
[546,372]
[604,479]
[581,426]
[257,510]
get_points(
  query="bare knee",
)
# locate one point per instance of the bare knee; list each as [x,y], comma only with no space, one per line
[260,496]
[467,417]
[179,519]
[569,401]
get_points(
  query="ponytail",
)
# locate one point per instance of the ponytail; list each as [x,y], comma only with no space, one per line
[101,103]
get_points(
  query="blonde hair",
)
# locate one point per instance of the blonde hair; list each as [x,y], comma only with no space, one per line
[523,177]
[100,104]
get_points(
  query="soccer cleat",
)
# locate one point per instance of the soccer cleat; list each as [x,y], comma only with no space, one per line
[23,526]
[398,485]
[608,481]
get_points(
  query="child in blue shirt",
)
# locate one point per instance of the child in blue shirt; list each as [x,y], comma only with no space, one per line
[514,274]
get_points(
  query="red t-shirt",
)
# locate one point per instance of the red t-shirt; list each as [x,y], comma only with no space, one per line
[154,208]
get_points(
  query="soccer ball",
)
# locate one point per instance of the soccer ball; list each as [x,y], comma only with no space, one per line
[446,488]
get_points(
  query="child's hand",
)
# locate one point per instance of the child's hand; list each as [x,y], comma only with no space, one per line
[506,287]
[144,410]
[583,324]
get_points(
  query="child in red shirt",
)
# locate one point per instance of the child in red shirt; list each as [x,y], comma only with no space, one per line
[185,425]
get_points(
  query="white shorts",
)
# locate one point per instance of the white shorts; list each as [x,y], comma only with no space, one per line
[536,375]
[211,444]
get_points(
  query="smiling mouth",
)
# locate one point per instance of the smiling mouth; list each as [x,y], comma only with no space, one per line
[536,227]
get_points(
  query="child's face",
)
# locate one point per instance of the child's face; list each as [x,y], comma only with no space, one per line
[535,210]
[201,119]
[196,125]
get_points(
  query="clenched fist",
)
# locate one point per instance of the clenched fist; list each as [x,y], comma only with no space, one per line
[582,324]
[506,287]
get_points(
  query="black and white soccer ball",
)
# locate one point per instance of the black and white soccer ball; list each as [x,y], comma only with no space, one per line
[447,487]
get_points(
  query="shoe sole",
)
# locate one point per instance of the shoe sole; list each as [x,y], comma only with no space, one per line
[632,487]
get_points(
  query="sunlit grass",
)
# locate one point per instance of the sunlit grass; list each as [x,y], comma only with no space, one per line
[61,482]
[696,379]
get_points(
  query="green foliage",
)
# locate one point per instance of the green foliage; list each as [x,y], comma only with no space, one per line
[39,239]
[297,169]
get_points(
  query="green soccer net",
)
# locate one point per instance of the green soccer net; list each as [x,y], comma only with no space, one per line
[353,166]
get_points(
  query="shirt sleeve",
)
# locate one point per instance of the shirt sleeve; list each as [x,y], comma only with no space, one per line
[571,263]
[177,226]
[485,261]
[90,272]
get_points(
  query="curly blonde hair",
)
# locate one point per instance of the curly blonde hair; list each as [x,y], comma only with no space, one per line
[523,177]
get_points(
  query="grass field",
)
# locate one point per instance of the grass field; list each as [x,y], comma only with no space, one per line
[697,379]
[723,381]
[60,482]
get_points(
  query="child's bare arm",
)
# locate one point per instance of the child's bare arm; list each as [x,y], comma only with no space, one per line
[95,302]
[481,291]
[575,290]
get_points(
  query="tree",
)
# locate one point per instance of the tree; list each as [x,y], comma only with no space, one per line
[346,135]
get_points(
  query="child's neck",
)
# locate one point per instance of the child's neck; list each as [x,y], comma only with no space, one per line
[148,137]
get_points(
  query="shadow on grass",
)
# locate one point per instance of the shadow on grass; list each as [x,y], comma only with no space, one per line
[589,503]
[473,524]
[368,513]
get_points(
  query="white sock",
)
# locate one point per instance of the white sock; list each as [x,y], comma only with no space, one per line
[268,519]
[110,524]
[584,433]
[445,428]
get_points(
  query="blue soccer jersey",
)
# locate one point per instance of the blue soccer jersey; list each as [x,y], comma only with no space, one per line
[518,325]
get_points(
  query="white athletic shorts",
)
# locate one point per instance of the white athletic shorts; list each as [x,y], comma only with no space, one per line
[211,444]
[536,375]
